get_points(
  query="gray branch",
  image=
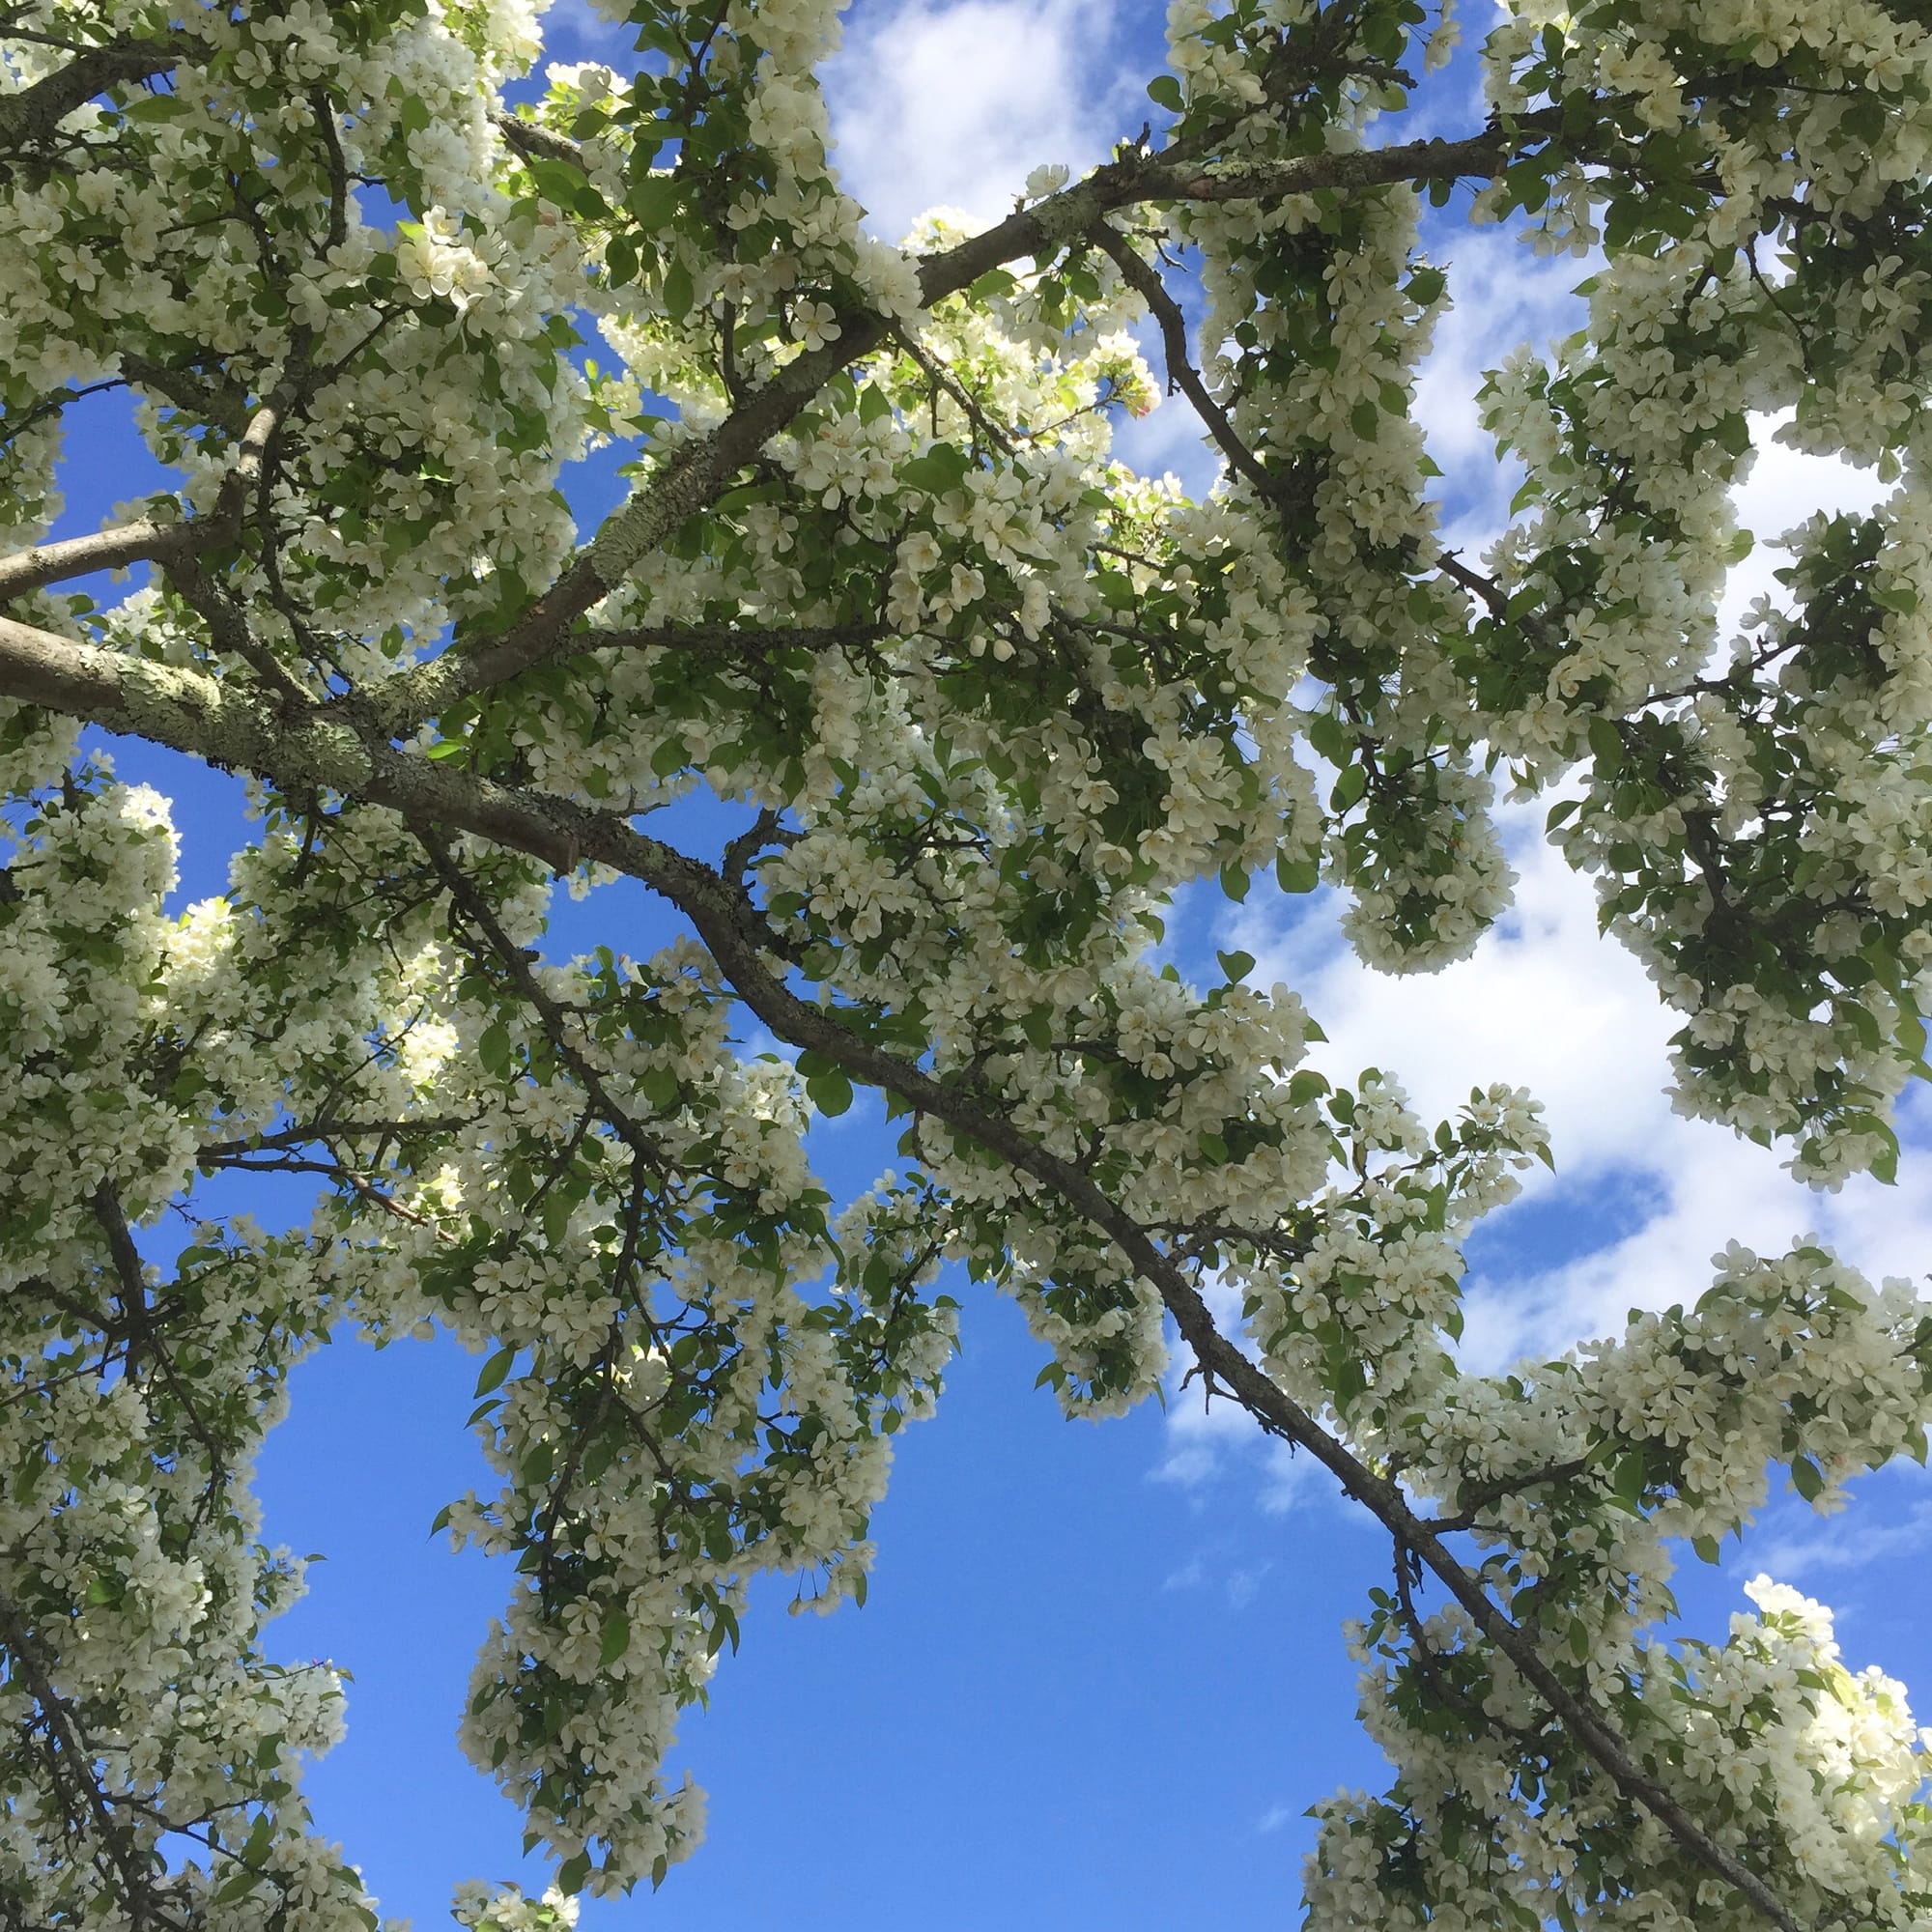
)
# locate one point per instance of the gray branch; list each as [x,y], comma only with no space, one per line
[33,116]
[197,715]
[698,470]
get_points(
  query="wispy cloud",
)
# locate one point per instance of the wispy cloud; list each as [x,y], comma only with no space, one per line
[1187,1578]
[1502,296]
[1849,1543]
[1237,1580]
[1242,1583]
[951,106]
[574,31]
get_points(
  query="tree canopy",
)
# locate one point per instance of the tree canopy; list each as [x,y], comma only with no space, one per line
[982,700]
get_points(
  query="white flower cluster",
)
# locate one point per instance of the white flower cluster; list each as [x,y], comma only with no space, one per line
[996,700]
[1813,1775]
[1712,310]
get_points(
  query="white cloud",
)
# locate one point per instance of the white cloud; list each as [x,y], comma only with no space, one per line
[940,105]
[1548,1003]
[1168,440]
[1275,1817]
[1502,296]
[574,30]
[1785,487]
[1242,1583]
[1291,1479]
[1545,1002]
[1850,1544]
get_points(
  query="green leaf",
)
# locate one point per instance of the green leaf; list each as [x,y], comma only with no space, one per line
[1363,419]
[1348,787]
[1911,1036]
[938,470]
[494,1050]
[1237,965]
[653,199]
[1235,882]
[556,181]
[616,1639]
[494,1369]
[1806,1478]
[678,292]
[831,1093]
[1297,875]
[255,1851]
[992,286]
[1706,1546]
[572,1874]
[1608,743]
[243,1882]
[1164,90]
[1330,737]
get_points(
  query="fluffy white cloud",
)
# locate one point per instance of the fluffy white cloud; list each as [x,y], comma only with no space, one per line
[1785,488]
[575,30]
[951,106]
[1646,1196]
[1502,294]
[1549,1005]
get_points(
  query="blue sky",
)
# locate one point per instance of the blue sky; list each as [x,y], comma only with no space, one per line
[1098,1676]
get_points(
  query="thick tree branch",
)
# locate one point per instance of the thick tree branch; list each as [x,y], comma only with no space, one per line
[195,714]
[1146,282]
[32,116]
[534,143]
[145,540]
[696,470]
[73,1762]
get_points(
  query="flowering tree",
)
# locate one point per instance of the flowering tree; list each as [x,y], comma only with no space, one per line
[985,700]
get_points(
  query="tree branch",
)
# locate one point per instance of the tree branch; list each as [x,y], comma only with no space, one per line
[143,541]
[534,143]
[34,114]
[196,713]
[696,470]
[1146,282]
[146,541]
[70,1748]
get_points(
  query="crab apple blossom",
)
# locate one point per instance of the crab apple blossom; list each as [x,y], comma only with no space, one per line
[984,701]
